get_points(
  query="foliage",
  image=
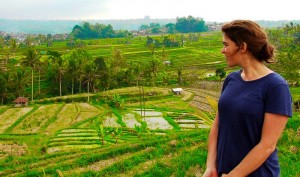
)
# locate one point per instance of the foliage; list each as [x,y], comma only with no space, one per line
[190,24]
[101,133]
[221,73]
[116,101]
[172,152]
[183,25]
[287,41]
[88,31]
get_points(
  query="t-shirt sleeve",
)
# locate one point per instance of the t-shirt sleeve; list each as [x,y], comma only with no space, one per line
[226,81]
[279,100]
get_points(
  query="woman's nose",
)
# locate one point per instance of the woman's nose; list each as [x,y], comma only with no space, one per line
[223,50]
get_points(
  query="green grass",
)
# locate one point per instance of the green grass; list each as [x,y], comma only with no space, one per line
[295,91]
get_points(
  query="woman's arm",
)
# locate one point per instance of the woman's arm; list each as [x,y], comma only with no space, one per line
[211,169]
[272,129]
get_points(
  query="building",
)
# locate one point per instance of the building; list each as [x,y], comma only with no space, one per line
[177,91]
[21,101]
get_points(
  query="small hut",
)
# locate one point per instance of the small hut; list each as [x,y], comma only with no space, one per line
[20,101]
[177,91]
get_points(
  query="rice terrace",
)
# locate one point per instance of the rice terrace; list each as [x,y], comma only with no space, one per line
[115,112]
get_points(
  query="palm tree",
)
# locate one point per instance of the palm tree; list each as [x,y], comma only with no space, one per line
[81,56]
[7,53]
[40,67]
[75,66]
[2,42]
[13,45]
[72,70]
[4,79]
[90,73]
[19,78]
[60,63]
[32,58]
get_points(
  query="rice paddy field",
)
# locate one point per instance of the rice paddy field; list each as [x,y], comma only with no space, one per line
[157,134]
[167,136]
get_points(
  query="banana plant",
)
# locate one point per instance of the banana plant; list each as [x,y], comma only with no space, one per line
[117,133]
[101,133]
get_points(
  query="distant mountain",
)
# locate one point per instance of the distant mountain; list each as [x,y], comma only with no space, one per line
[66,26]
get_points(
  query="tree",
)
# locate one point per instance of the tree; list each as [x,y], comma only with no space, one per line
[2,42]
[4,86]
[7,53]
[171,28]
[40,68]
[102,71]
[88,31]
[179,76]
[287,42]
[153,68]
[164,54]
[152,44]
[80,56]
[115,65]
[118,60]
[60,63]
[144,27]
[73,69]
[29,41]
[13,45]
[32,58]
[49,40]
[90,74]
[190,24]
[220,72]
[19,79]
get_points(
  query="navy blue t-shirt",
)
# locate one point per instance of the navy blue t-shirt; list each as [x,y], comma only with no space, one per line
[242,106]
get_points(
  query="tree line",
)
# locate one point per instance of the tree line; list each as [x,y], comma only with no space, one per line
[188,24]
[287,42]
[89,31]
[183,25]
[53,73]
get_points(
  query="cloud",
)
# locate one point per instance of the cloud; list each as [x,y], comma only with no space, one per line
[51,9]
[210,10]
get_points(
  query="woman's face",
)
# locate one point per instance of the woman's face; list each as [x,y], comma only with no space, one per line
[230,51]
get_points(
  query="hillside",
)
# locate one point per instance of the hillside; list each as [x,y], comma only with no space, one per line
[167,137]
[66,26]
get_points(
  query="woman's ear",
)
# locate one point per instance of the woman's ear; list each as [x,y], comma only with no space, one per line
[243,47]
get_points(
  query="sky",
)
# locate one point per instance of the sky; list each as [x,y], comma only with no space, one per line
[209,10]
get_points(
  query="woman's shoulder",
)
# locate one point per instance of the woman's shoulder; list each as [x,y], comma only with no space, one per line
[276,79]
[234,74]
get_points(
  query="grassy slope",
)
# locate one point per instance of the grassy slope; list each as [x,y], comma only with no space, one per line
[174,152]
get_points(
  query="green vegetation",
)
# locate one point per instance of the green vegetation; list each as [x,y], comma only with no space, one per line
[98,140]
[100,64]
[104,107]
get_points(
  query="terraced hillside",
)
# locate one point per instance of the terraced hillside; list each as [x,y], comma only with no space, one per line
[163,136]
[151,155]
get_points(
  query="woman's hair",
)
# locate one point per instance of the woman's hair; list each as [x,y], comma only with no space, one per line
[246,31]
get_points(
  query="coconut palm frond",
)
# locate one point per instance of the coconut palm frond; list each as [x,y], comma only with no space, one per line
[213,103]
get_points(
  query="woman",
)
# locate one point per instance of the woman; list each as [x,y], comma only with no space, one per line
[253,108]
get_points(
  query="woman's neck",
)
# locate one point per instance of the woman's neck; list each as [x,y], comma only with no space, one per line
[254,70]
